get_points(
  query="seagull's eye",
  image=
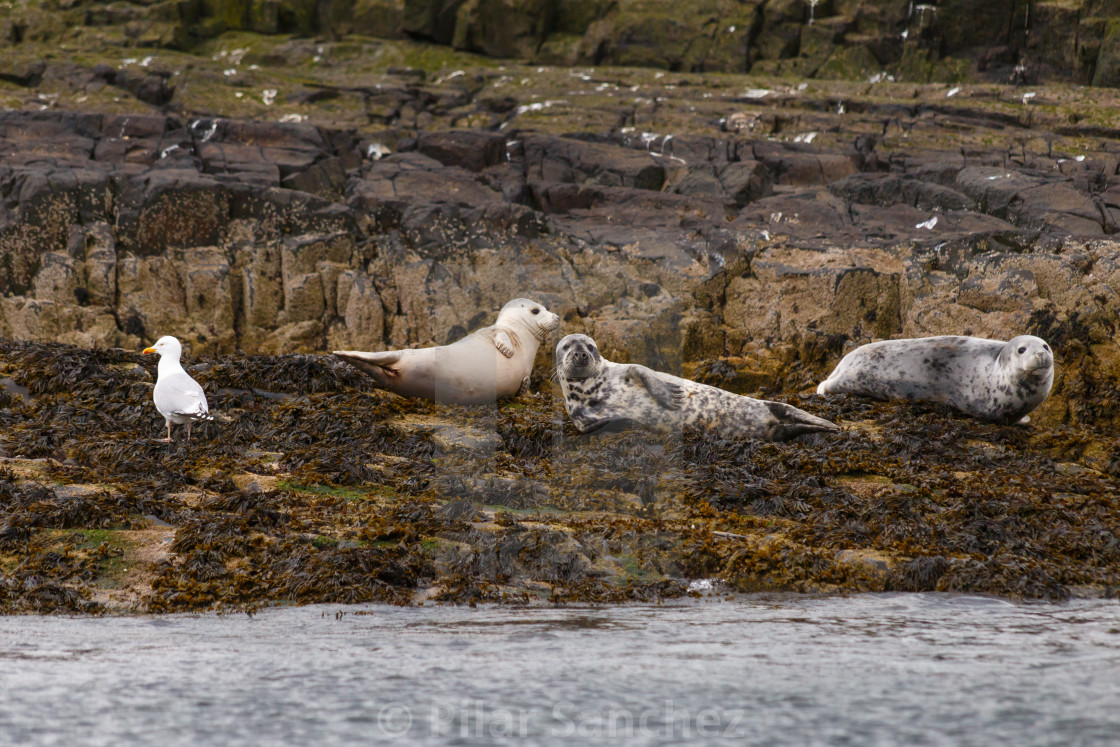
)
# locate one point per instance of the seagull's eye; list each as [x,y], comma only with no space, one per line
[536,311]
[1022,350]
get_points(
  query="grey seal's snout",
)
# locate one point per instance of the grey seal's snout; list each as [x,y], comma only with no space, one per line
[576,356]
[1041,361]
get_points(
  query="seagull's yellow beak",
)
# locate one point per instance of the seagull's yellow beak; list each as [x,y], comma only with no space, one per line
[148,350]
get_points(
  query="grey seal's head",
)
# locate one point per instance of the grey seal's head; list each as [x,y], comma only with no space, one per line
[1028,358]
[577,357]
[529,314]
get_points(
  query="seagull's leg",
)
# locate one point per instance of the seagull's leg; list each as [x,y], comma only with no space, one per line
[168,439]
[189,431]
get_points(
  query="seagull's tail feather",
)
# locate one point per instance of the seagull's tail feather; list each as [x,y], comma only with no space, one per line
[195,415]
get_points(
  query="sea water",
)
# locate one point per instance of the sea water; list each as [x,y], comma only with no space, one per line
[885,669]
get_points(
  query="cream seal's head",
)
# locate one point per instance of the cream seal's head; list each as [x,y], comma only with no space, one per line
[530,314]
[577,357]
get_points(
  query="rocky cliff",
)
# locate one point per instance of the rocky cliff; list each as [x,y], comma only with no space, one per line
[680,219]
[999,41]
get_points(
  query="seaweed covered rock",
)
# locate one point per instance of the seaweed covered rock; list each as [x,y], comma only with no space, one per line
[312,488]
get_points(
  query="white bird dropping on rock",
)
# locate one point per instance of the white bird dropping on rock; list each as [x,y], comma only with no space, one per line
[178,397]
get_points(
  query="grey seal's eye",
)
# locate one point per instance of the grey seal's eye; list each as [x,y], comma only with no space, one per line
[1046,348]
[1022,350]
[536,311]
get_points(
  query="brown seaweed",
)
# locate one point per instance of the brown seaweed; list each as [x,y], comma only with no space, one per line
[313,487]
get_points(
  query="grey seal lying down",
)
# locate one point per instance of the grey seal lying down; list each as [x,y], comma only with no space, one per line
[601,395]
[988,379]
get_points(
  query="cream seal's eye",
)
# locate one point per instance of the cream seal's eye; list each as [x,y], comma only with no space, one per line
[536,311]
[1022,350]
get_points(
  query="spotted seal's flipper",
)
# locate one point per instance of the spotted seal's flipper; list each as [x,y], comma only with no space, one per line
[503,343]
[669,396]
[793,422]
[379,366]
[607,425]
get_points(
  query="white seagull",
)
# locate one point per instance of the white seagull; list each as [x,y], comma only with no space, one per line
[178,397]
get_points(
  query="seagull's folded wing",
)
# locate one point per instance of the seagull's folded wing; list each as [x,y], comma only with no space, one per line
[179,394]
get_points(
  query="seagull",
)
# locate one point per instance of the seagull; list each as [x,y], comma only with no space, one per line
[178,397]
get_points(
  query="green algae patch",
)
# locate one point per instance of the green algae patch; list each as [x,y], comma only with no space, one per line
[352,494]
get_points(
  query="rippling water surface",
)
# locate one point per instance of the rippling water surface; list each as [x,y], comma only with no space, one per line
[875,669]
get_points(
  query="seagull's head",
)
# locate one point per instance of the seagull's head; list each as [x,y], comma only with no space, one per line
[166,345]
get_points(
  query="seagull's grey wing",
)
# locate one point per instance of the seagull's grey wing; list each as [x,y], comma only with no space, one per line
[179,394]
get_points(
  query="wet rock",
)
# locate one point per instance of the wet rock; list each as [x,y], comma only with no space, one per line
[473,151]
[171,209]
[25,73]
[500,28]
[578,162]
[685,223]
[151,88]
[451,438]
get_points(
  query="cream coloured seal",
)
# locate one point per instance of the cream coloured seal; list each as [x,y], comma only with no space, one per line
[485,366]
[600,395]
[987,379]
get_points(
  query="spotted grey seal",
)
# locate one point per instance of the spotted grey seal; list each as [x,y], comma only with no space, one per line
[601,395]
[486,365]
[987,379]
[178,397]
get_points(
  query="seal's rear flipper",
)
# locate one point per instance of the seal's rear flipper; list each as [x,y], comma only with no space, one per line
[608,425]
[793,422]
[376,365]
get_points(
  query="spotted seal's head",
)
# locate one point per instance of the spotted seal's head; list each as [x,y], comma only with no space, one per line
[531,315]
[577,357]
[1029,359]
